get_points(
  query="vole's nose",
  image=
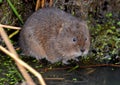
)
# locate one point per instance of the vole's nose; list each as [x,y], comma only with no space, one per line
[82,49]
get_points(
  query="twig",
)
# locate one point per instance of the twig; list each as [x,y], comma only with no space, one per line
[60,79]
[88,66]
[24,64]
[42,3]
[99,65]
[12,50]
[11,27]
[38,4]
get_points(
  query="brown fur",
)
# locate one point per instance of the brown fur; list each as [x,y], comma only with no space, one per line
[55,35]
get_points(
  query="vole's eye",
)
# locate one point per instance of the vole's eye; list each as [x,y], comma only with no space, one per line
[74,39]
[85,39]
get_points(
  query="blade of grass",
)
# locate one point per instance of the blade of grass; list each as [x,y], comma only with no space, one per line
[1,1]
[77,66]
[15,11]
[14,33]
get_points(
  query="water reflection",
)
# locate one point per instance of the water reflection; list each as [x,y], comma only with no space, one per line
[93,76]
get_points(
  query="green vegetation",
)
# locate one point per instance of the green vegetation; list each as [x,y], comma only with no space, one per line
[1,1]
[106,38]
[9,72]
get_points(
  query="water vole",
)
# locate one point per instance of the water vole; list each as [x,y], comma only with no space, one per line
[55,35]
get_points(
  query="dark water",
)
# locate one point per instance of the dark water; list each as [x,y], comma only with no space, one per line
[93,76]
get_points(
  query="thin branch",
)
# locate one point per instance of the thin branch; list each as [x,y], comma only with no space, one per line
[12,50]
[38,4]
[59,79]
[24,64]
[11,27]
[100,65]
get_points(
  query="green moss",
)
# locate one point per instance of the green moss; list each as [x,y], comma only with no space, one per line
[105,38]
[9,72]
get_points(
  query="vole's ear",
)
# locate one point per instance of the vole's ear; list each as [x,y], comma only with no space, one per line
[63,27]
